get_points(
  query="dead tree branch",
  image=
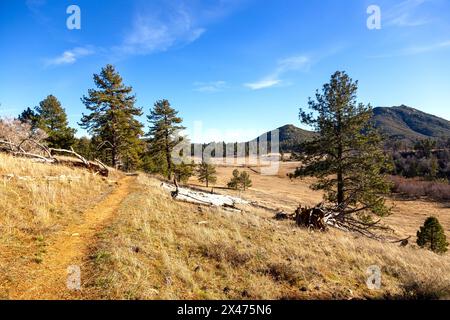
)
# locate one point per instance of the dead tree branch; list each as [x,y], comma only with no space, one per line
[49,156]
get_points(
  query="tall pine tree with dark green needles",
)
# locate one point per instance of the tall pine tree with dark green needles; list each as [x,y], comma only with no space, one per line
[163,135]
[346,155]
[52,118]
[112,119]
[29,116]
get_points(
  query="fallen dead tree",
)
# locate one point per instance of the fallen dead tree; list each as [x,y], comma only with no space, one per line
[202,198]
[51,155]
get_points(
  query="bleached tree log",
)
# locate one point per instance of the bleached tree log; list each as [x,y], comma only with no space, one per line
[203,198]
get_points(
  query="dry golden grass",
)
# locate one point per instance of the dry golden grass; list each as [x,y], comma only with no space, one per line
[160,249]
[151,247]
[39,201]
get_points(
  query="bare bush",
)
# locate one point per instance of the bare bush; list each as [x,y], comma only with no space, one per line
[14,133]
[414,188]
[20,139]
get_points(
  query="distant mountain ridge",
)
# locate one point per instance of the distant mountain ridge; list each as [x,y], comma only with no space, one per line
[406,123]
[399,123]
[290,137]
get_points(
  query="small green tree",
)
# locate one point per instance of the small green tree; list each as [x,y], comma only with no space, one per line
[183,172]
[240,180]
[244,180]
[431,236]
[207,173]
[234,182]
[434,168]
[52,118]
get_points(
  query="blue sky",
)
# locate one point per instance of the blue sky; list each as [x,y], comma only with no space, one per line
[238,67]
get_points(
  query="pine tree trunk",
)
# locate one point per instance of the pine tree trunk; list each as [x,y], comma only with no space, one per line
[114,157]
[340,178]
[340,187]
[168,159]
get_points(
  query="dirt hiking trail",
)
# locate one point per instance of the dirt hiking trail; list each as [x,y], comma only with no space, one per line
[48,280]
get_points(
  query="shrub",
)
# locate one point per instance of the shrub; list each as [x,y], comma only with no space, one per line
[14,132]
[439,191]
[183,172]
[431,235]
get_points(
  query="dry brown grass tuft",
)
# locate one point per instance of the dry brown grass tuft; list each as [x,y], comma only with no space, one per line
[223,252]
[282,271]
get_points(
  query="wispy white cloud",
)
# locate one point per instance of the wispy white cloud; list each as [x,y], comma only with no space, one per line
[263,83]
[159,29]
[414,50]
[213,86]
[295,63]
[70,56]
[408,13]
[160,25]
[156,26]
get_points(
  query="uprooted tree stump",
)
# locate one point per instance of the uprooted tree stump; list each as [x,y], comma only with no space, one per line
[321,217]
[311,218]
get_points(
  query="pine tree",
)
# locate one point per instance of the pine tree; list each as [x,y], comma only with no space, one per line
[52,118]
[240,180]
[207,173]
[244,180]
[112,119]
[183,171]
[234,182]
[431,235]
[434,168]
[164,126]
[85,147]
[346,155]
[29,116]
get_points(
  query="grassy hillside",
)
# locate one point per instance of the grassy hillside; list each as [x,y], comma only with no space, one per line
[290,137]
[132,241]
[160,249]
